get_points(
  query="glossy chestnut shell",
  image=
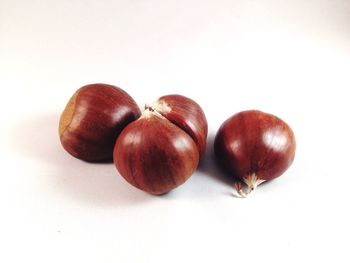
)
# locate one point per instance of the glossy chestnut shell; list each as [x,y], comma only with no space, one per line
[93,119]
[254,146]
[186,114]
[161,150]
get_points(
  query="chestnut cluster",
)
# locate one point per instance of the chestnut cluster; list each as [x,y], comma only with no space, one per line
[159,149]
[155,151]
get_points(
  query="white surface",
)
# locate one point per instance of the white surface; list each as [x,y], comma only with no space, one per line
[290,58]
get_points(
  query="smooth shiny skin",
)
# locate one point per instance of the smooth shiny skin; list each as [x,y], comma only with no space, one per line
[93,119]
[187,114]
[254,143]
[155,155]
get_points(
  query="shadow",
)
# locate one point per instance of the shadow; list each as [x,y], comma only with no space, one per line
[269,183]
[93,183]
[209,166]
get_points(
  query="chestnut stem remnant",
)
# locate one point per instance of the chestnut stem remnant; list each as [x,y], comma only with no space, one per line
[251,182]
[149,112]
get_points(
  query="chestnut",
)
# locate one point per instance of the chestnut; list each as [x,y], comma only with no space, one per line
[254,147]
[93,119]
[161,150]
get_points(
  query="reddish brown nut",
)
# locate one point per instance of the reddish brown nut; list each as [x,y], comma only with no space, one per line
[161,150]
[254,147]
[186,114]
[93,119]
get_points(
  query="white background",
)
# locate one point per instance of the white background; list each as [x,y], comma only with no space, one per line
[289,58]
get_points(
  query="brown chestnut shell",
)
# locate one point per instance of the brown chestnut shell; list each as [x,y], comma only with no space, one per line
[186,114]
[93,119]
[254,143]
[155,155]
